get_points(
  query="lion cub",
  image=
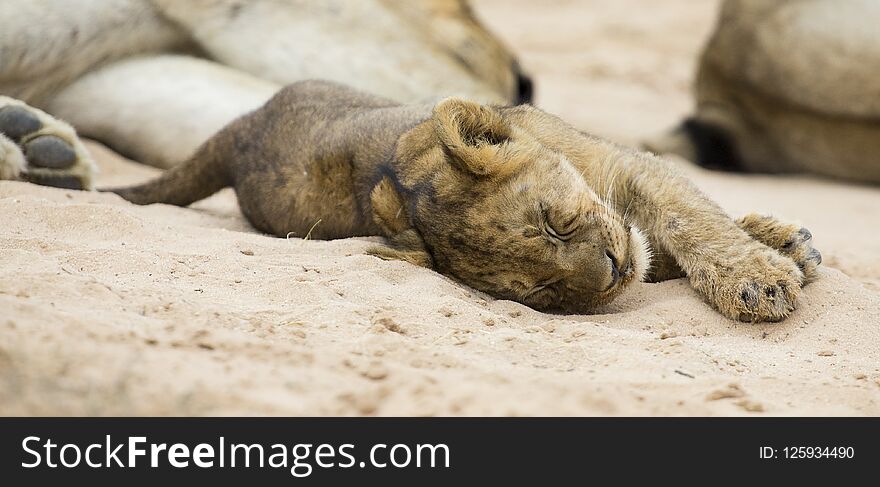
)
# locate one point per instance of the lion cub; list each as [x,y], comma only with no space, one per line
[509,200]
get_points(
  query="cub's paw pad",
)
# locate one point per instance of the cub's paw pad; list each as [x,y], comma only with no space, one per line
[17,121]
[765,302]
[755,284]
[41,149]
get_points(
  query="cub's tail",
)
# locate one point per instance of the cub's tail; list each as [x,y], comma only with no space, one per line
[202,175]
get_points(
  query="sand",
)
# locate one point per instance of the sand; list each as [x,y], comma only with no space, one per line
[114,309]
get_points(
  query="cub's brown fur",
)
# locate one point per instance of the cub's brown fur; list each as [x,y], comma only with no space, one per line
[509,200]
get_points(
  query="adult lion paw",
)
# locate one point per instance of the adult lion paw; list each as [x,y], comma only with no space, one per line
[39,148]
[757,284]
[790,240]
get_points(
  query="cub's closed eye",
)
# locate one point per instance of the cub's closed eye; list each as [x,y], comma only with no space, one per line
[557,234]
[563,230]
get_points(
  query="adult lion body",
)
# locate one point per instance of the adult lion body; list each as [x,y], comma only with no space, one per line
[511,201]
[788,86]
[153,79]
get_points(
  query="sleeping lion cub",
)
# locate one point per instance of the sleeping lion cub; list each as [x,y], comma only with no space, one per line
[509,200]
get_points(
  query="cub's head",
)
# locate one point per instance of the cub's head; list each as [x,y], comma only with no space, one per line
[477,197]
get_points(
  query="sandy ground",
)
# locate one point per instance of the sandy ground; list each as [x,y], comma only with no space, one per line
[108,308]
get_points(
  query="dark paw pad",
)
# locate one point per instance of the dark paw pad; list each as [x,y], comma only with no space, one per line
[749,296]
[16,122]
[50,152]
[57,181]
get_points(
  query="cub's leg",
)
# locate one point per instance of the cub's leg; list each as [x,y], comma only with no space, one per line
[41,149]
[742,277]
[790,240]
[663,265]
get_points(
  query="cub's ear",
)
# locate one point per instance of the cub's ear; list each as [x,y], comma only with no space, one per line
[389,213]
[472,134]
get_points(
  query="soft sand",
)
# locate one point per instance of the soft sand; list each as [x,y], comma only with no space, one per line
[109,308]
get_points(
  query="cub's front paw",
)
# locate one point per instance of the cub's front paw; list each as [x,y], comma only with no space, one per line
[39,148]
[757,284]
[790,240]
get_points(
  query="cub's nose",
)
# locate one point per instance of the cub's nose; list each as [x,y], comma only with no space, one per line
[615,268]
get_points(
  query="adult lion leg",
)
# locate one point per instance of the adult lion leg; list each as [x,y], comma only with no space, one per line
[440,46]
[46,44]
[157,110]
[39,148]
